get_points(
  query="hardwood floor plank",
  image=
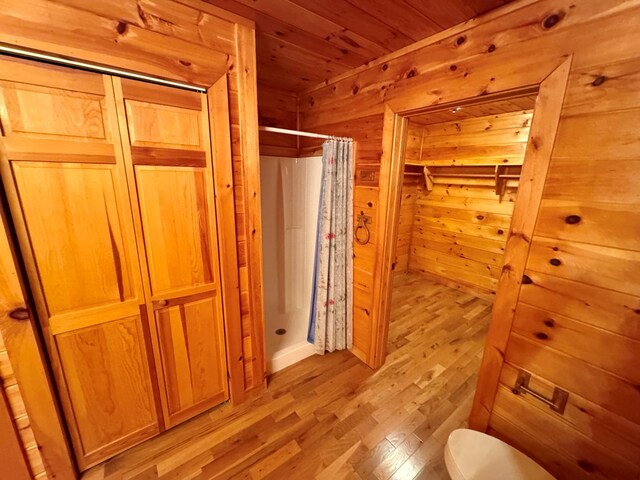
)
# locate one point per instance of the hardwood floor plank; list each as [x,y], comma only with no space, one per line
[331,417]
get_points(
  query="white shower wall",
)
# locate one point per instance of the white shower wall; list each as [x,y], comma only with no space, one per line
[290,201]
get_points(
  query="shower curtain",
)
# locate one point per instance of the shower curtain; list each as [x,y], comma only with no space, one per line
[331,316]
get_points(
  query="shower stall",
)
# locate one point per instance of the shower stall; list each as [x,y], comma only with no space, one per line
[290,201]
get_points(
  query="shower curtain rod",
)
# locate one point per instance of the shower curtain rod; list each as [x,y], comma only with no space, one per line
[299,133]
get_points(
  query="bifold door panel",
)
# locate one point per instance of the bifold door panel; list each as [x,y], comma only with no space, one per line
[65,179]
[113,206]
[168,148]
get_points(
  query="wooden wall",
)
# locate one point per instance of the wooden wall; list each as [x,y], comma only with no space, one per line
[410,187]
[277,108]
[460,227]
[18,412]
[592,296]
[460,232]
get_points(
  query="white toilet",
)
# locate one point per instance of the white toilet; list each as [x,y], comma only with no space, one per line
[471,455]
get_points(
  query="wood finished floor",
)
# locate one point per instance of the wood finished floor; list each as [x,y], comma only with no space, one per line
[332,417]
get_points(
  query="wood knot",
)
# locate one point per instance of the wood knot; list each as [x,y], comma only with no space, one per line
[572,219]
[453,68]
[20,313]
[492,48]
[599,80]
[555,262]
[384,67]
[370,204]
[526,280]
[552,20]
[500,231]
[480,217]
[122,27]
[550,323]
[586,466]
[185,63]
[411,74]
[542,336]
[460,40]
[355,90]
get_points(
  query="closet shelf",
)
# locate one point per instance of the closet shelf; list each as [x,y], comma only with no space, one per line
[500,177]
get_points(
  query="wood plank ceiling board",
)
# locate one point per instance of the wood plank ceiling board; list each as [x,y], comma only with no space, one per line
[301,43]
[476,111]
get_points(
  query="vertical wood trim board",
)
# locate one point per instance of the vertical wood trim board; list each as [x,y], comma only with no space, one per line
[395,138]
[223,186]
[250,152]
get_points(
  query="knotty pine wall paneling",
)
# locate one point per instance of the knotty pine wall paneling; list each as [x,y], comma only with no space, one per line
[460,228]
[588,214]
[410,186]
[277,108]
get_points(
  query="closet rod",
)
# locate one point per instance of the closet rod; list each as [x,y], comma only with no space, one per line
[68,62]
[297,132]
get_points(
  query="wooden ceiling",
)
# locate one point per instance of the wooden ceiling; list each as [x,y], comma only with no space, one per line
[300,43]
[494,107]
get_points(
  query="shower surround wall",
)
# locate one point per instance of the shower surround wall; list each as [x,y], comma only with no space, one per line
[290,201]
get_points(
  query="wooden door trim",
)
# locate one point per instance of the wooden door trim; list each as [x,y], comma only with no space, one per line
[249,148]
[544,128]
[394,139]
[218,100]
[538,155]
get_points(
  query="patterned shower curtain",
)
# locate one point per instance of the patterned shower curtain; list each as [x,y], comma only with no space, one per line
[331,316]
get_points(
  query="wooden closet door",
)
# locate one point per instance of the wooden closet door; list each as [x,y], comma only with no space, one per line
[167,148]
[63,171]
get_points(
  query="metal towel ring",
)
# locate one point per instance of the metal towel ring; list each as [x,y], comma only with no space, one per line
[362,224]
